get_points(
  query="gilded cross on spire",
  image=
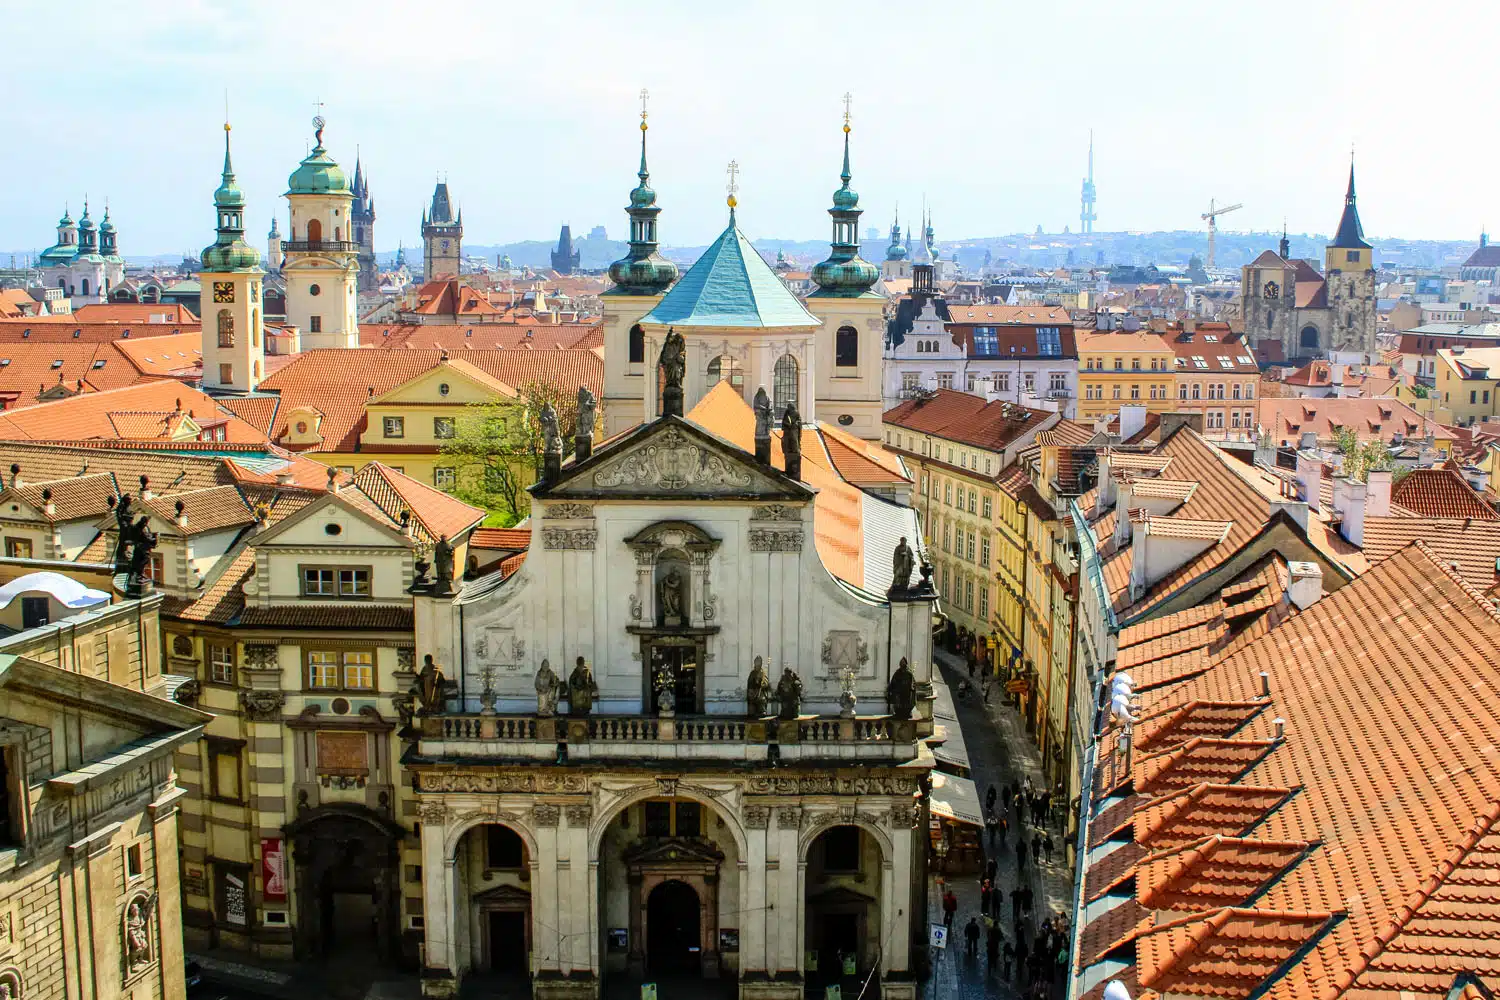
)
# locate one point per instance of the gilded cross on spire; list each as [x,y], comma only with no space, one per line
[733,170]
[848,100]
[645,96]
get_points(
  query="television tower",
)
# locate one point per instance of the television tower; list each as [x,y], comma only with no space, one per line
[1087,216]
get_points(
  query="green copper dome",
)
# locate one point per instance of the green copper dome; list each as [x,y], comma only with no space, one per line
[84,222]
[106,226]
[642,271]
[844,274]
[230,252]
[66,220]
[318,174]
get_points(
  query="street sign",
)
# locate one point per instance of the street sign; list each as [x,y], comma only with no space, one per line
[939,936]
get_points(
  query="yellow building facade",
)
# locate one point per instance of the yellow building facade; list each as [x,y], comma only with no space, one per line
[1117,367]
[1467,384]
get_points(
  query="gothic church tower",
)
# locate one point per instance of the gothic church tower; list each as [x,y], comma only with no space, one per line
[1350,272]
[442,237]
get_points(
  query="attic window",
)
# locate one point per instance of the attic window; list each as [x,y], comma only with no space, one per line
[1211,338]
[57,364]
[468,333]
[25,333]
[99,364]
[4,362]
[77,334]
[1245,359]
[1199,362]
[443,389]
[127,334]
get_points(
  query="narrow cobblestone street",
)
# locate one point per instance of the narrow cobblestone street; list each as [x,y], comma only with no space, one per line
[999,752]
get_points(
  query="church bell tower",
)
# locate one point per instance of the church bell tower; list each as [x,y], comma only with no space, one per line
[320,258]
[233,340]
[1349,269]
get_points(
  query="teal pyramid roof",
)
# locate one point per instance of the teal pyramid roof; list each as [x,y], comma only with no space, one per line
[730,286]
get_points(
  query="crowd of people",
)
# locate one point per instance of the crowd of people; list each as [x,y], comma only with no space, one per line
[1033,956]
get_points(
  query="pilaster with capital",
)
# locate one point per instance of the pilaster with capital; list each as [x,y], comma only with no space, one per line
[438,888]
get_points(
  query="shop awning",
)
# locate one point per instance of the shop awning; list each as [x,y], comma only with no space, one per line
[956,799]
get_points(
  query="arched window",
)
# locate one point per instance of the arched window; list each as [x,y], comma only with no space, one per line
[784,384]
[726,369]
[846,347]
[314,231]
[62,283]
[85,286]
[637,346]
[255,329]
[226,328]
[1309,338]
[257,369]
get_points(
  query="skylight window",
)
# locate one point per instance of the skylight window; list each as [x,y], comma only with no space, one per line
[1245,359]
[1225,361]
[1179,362]
[1211,338]
[99,364]
[1199,362]
[57,364]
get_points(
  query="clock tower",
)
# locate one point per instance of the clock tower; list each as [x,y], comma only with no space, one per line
[233,345]
[442,236]
[320,257]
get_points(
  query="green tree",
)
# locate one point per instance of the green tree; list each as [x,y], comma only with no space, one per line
[497,449]
[1361,459]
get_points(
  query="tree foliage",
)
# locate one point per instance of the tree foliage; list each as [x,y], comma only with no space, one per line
[1362,459]
[497,448]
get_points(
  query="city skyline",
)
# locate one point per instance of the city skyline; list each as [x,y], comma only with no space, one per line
[546,134]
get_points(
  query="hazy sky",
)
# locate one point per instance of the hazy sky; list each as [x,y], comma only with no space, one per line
[530,111]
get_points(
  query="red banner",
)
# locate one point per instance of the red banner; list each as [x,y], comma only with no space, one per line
[273,869]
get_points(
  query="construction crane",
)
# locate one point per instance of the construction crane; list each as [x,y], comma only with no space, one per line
[1213,227]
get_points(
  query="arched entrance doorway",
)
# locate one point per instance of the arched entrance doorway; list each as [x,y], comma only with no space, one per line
[844,868]
[347,861]
[492,924]
[674,933]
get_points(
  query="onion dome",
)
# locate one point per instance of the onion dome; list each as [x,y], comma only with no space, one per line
[844,274]
[643,271]
[230,252]
[318,174]
[66,220]
[84,222]
[105,226]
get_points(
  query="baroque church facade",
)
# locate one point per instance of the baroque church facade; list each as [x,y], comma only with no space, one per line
[684,740]
[85,261]
[1311,314]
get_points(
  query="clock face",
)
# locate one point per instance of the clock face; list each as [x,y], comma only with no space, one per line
[223,291]
[1272,290]
[444,244]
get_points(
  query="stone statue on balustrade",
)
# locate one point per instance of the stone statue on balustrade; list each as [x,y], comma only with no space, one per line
[548,688]
[757,691]
[788,695]
[901,692]
[582,690]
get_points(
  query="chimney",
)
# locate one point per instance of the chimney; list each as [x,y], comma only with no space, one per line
[1178,418]
[1280,725]
[1353,528]
[1105,496]
[15,474]
[1378,499]
[1296,508]
[406,528]
[1310,478]
[181,514]
[1265,684]
[1304,584]
[146,493]
[1122,511]
[1340,495]
[48,507]
[333,479]
[1308,441]
[1476,477]
[1132,420]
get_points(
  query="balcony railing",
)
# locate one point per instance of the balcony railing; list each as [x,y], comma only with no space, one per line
[319,246]
[862,737]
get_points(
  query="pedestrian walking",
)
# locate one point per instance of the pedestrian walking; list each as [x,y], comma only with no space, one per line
[950,908]
[973,665]
[1008,951]
[992,940]
[989,798]
[1023,956]
[971,937]
[1020,856]
[989,869]
[1036,847]
[996,898]
[1015,906]
[1028,897]
[1047,847]
[984,896]
[1003,828]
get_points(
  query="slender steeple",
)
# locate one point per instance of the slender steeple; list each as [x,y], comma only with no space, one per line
[896,251]
[230,252]
[643,270]
[1284,248]
[1351,235]
[1087,215]
[844,274]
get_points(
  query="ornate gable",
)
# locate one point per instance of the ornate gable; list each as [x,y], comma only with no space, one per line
[667,459]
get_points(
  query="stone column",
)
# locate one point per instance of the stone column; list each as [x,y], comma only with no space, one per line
[438,874]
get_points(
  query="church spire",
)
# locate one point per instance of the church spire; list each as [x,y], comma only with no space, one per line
[643,271]
[1351,235]
[229,251]
[844,274]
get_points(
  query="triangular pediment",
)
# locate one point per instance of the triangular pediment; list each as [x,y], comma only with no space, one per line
[503,894]
[671,458]
[672,851]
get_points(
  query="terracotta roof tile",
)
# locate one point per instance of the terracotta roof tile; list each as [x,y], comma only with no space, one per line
[1204,810]
[222,598]
[517,539]
[1471,545]
[461,337]
[206,510]
[435,512]
[1218,761]
[72,498]
[1441,493]
[1215,872]
[381,617]
[1227,954]
[136,412]
[968,419]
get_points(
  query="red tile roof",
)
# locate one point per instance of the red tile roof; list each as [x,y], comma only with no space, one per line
[436,513]
[141,412]
[967,419]
[458,337]
[1441,493]
[61,329]
[511,539]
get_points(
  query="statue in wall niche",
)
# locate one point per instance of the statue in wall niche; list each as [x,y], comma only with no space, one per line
[757,690]
[581,689]
[429,687]
[442,558]
[547,690]
[788,695]
[138,933]
[901,692]
[902,564]
[671,597]
[551,439]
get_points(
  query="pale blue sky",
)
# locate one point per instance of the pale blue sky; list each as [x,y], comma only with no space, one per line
[530,111]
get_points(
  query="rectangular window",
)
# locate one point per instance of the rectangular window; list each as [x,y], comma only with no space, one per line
[18,548]
[689,819]
[221,663]
[945,380]
[135,864]
[989,505]
[1135,364]
[317,583]
[1236,390]
[394,427]
[1249,390]
[1116,392]
[1197,391]
[984,551]
[1234,419]
[226,374]
[1135,392]
[948,493]
[444,477]
[657,819]
[969,381]
[1354,256]
[1057,382]
[909,381]
[968,595]
[322,669]
[224,759]
[1028,382]
[1473,396]
[969,553]
[359,671]
[947,538]
[984,602]
[315,324]
[1486,396]
[354,583]
[1001,381]
[442,428]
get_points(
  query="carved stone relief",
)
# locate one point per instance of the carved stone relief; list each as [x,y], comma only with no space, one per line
[565,510]
[757,817]
[845,650]
[569,538]
[262,706]
[776,512]
[545,814]
[671,461]
[579,816]
[138,948]
[788,817]
[775,540]
[260,655]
